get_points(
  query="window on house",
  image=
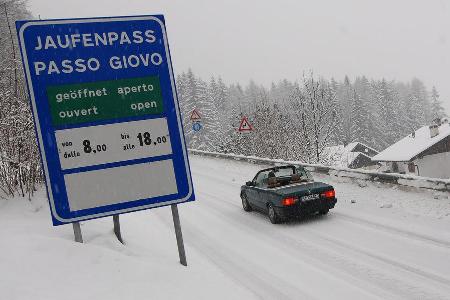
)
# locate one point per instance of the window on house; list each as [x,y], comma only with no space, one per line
[411,167]
[395,167]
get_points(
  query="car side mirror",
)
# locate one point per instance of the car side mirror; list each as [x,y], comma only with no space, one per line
[249,183]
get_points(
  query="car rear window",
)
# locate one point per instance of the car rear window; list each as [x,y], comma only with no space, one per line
[304,173]
[282,172]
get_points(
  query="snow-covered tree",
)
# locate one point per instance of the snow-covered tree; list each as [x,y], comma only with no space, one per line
[211,104]
[364,125]
[345,95]
[315,116]
[418,110]
[338,136]
[437,111]
[316,113]
[186,90]
[387,121]
[20,167]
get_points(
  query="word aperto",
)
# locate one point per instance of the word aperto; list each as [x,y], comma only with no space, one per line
[81,65]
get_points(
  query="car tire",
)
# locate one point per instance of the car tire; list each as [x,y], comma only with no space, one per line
[245,205]
[273,217]
[324,212]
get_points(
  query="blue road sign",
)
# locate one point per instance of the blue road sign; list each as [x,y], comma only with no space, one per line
[197,126]
[106,114]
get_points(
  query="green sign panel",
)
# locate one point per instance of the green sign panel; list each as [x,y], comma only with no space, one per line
[104,100]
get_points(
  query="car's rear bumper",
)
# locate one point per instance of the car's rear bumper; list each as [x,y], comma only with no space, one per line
[305,208]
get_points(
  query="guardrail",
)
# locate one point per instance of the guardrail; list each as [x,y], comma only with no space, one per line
[394,178]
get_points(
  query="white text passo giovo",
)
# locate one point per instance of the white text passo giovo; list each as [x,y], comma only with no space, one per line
[93,64]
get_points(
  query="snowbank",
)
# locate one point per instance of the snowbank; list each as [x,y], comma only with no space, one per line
[39,261]
[400,179]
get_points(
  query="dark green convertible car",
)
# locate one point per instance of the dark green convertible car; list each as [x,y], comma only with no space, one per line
[285,192]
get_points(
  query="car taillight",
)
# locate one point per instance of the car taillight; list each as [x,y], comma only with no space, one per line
[289,201]
[329,194]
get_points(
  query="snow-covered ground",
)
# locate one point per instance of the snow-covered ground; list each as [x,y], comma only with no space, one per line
[380,242]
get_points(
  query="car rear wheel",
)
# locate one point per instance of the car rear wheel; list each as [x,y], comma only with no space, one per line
[273,217]
[245,203]
[324,212]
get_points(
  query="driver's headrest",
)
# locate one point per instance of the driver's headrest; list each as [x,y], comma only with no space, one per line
[295,178]
[272,180]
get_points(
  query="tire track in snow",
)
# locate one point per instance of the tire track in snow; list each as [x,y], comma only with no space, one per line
[400,265]
[251,276]
[393,230]
[341,263]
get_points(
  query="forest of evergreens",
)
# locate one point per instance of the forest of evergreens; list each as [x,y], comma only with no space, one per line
[297,120]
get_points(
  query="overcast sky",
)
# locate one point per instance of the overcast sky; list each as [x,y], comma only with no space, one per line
[271,40]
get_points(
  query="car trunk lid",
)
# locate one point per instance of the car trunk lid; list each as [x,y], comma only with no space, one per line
[303,189]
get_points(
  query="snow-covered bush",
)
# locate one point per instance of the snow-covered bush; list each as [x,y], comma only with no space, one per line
[20,168]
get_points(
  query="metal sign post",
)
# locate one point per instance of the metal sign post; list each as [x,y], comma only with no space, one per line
[106,113]
[77,232]
[117,228]
[178,234]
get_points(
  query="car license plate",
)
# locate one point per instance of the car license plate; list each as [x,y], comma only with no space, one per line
[310,197]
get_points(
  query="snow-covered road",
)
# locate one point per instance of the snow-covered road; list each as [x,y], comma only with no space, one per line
[388,244]
[358,251]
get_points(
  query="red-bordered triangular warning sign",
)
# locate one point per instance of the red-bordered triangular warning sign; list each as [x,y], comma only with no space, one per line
[195,115]
[245,125]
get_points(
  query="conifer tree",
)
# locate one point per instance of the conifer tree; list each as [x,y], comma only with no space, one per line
[362,123]
[437,111]
[419,111]
[338,136]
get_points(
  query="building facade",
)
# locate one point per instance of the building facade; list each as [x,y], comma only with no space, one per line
[425,152]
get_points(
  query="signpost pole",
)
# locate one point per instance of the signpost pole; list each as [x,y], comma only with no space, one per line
[77,232]
[117,228]
[178,234]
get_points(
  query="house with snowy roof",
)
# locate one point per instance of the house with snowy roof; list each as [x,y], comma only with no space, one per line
[425,152]
[354,156]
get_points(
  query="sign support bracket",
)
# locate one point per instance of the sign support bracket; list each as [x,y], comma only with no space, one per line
[117,228]
[178,234]
[77,232]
